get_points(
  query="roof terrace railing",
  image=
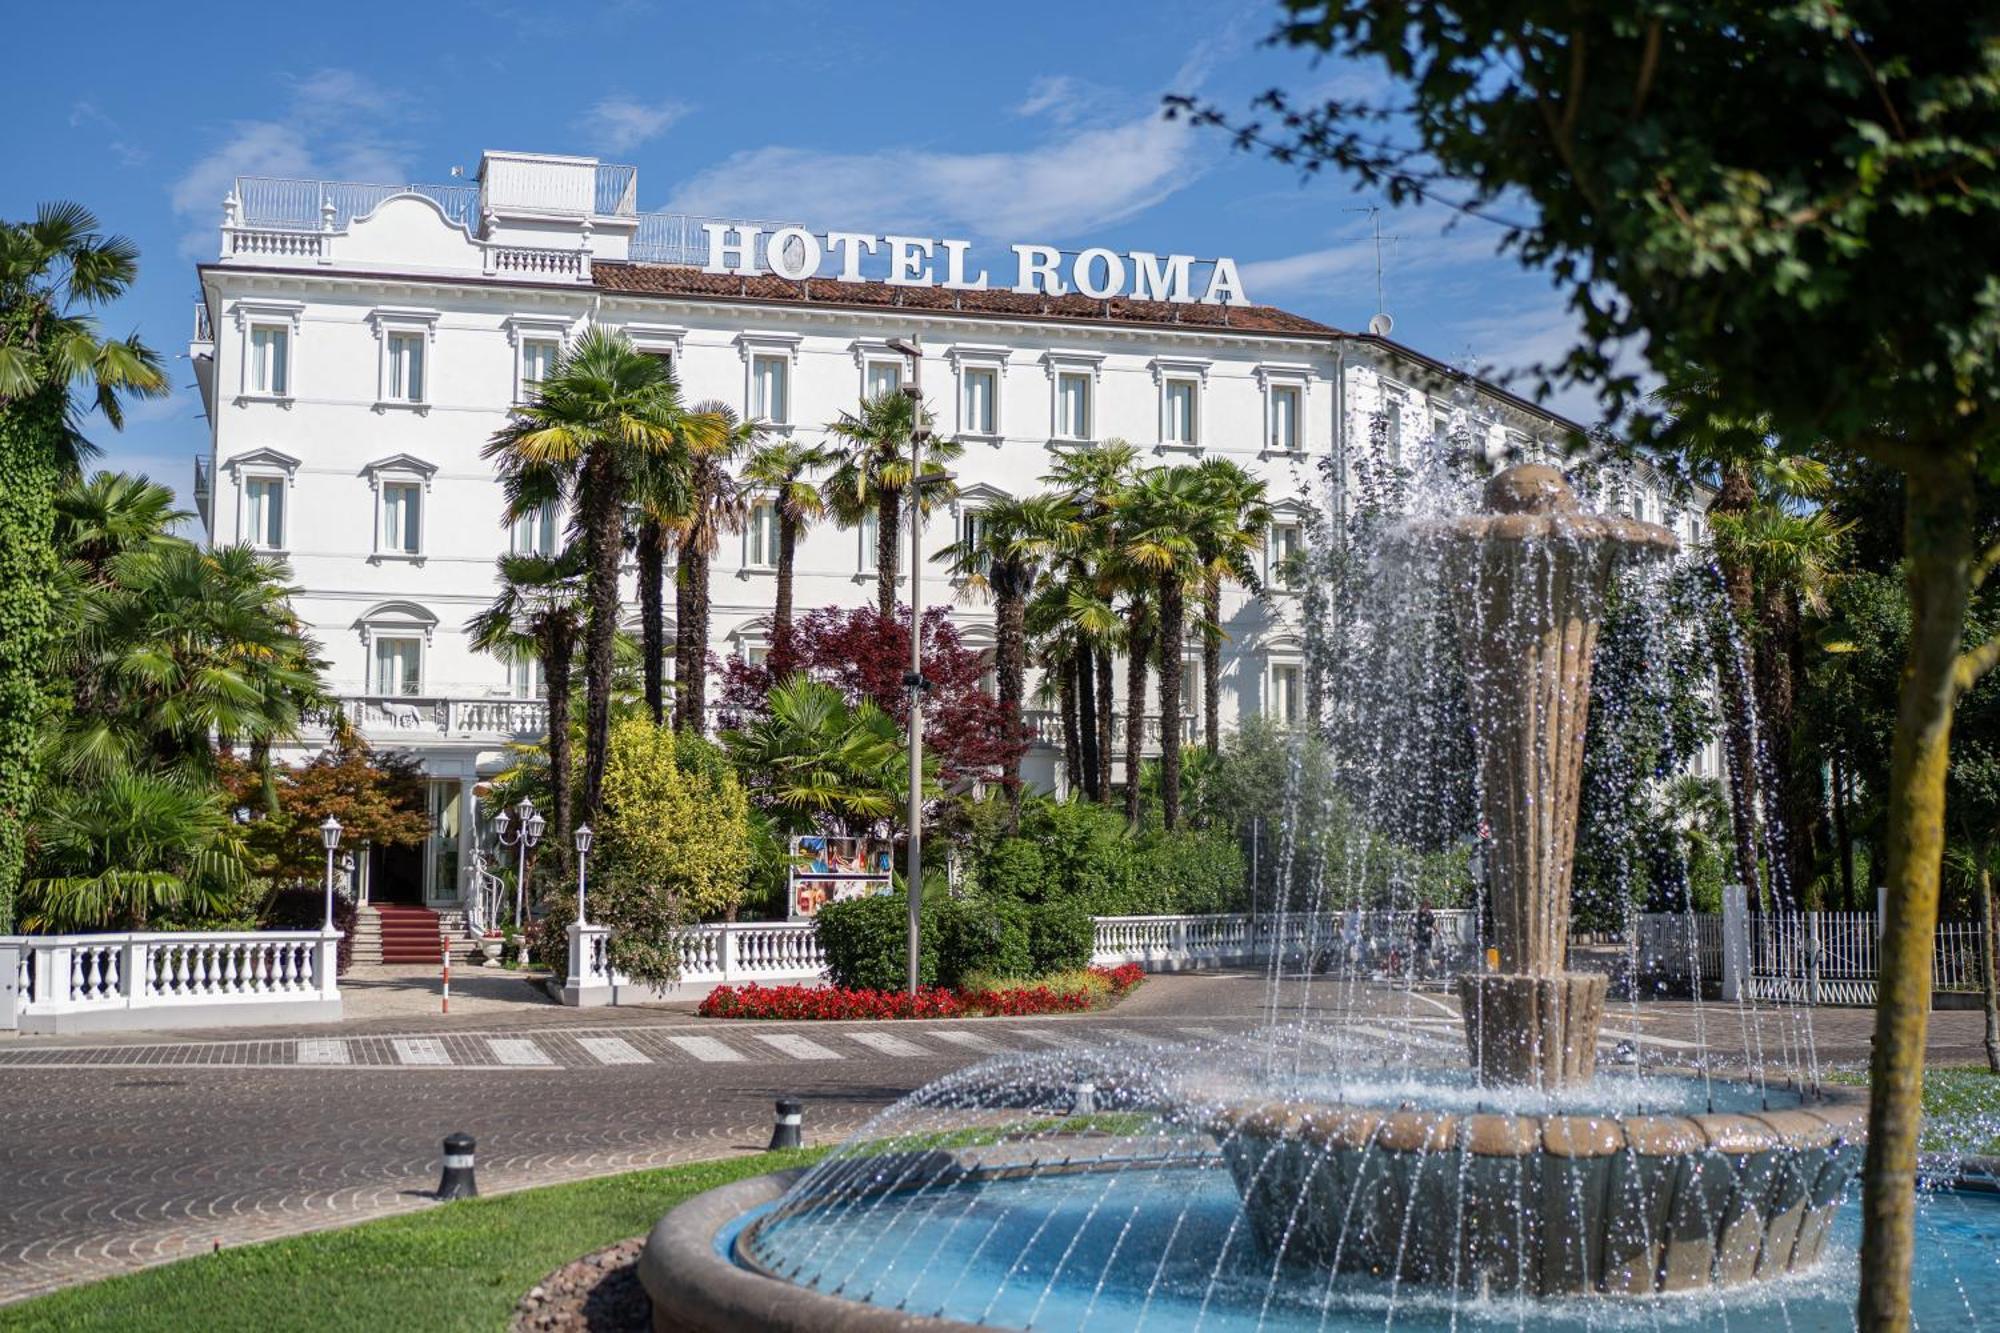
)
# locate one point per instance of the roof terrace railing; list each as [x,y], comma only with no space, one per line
[308,205]
[677,238]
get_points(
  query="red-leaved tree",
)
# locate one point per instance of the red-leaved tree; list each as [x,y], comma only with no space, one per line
[864,655]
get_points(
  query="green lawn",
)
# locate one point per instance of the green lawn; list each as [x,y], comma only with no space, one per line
[453,1266]
[1961,1108]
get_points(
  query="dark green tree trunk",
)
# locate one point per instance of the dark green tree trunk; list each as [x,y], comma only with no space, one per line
[1173,624]
[781,609]
[1843,834]
[1736,497]
[888,521]
[603,516]
[652,560]
[1211,664]
[1105,705]
[1086,722]
[1066,703]
[558,650]
[1138,648]
[693,716]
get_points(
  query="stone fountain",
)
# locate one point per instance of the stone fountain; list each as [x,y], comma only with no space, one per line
[1561,1199]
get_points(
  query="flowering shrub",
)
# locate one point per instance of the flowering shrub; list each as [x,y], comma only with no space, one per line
[1069,995]
[1121,978]
[829,1002]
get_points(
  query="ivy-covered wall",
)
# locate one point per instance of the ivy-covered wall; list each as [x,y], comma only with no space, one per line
[29,430]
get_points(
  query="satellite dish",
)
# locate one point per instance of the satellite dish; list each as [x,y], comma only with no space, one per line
[1380,325]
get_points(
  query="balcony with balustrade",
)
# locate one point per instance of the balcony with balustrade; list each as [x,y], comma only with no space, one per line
[403,721]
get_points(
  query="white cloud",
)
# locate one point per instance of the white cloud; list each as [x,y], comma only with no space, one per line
[620,124]
[83,114]
[1079,181]
[332,123]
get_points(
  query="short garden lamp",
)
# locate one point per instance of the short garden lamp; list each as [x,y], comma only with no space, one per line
[525,838]
[329,833]
[582,852]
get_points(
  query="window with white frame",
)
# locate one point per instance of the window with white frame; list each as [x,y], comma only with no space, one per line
[402,518]
[1191,686]
[524,677]
[538,362]
[870,531]
[760,536]
[972,529]
[981,406]
[404,382]
[883,377]
[1284,546]
[770,388]
[1178,422]
[1073,405]
[534,533]
[1286,697]
[1392,431]
[1285,415]
[268,372]
[398,665]
[264,512]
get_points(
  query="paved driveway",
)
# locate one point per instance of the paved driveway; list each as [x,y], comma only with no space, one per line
[122,1151]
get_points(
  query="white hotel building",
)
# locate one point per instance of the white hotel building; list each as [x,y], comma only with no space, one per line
[357,345]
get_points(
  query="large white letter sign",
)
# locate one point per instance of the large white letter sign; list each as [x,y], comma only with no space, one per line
[1036,270]
[784,242]
[954,268]
[850,245]
[1114,273]
[1152,281]
[720,248]
[1224,287]
[907,266]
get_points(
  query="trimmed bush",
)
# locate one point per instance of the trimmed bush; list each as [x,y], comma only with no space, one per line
[987,933]
[1061,937]
[1015,867]
[865,941]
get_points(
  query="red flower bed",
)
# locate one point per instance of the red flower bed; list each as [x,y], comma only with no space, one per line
[754,1001]
[837,1002]
[1122,977]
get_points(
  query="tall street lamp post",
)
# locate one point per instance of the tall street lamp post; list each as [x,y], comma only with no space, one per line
[329,833]
[525,838]
[582,851]
[913,874]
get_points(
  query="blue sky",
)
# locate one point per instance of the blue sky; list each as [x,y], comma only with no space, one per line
[1024,122]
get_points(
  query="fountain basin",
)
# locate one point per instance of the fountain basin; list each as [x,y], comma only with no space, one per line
[1547,1203]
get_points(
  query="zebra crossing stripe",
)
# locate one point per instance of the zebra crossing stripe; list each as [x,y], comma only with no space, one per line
[420,1051]
[1064,1040]
[323,1051]
[799,1048]
[972,1041]
[886,1044]
[612,1051]
[707,1049]
[517,1051]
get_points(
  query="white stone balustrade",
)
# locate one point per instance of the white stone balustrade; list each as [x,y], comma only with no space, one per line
[77,983]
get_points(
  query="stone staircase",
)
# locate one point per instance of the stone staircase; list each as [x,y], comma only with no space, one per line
[400,934]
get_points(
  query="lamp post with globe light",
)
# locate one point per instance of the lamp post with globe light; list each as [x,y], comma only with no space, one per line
[329,833]
[582,852]
[525,837]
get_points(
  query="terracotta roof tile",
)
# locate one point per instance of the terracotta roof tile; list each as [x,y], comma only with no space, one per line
[675,280]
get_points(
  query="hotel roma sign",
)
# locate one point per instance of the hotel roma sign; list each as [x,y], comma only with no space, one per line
[795,254]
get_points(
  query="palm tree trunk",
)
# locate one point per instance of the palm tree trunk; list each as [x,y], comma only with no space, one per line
[1138,648]
[1066,701]
[694,690]
[1779,664]
[1843,835]
[1010,636]
[1938,547]
[601,524]
[1173,615]
[1211,664]
[1736,497]
[1989,959]
[1086,721]
[1105,704]
[558,651]
[652,614]
[684,644]
[781,610]
[888,519]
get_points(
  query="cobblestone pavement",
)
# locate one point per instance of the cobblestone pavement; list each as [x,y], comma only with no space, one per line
[123,1150]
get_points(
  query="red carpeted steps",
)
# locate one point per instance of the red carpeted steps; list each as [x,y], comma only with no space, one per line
[409,934]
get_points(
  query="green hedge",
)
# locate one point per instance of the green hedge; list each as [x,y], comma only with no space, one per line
[864,940]
[1081,854]
[1061,937]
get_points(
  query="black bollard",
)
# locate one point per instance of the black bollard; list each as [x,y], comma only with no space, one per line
[457,1181]
[789,1131]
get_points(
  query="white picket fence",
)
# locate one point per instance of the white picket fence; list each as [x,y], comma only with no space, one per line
[1833,957]
[154,979]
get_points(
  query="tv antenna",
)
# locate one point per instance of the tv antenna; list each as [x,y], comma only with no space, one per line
[1382,322]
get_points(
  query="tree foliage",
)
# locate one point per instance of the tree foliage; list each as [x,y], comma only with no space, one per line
[673,841]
